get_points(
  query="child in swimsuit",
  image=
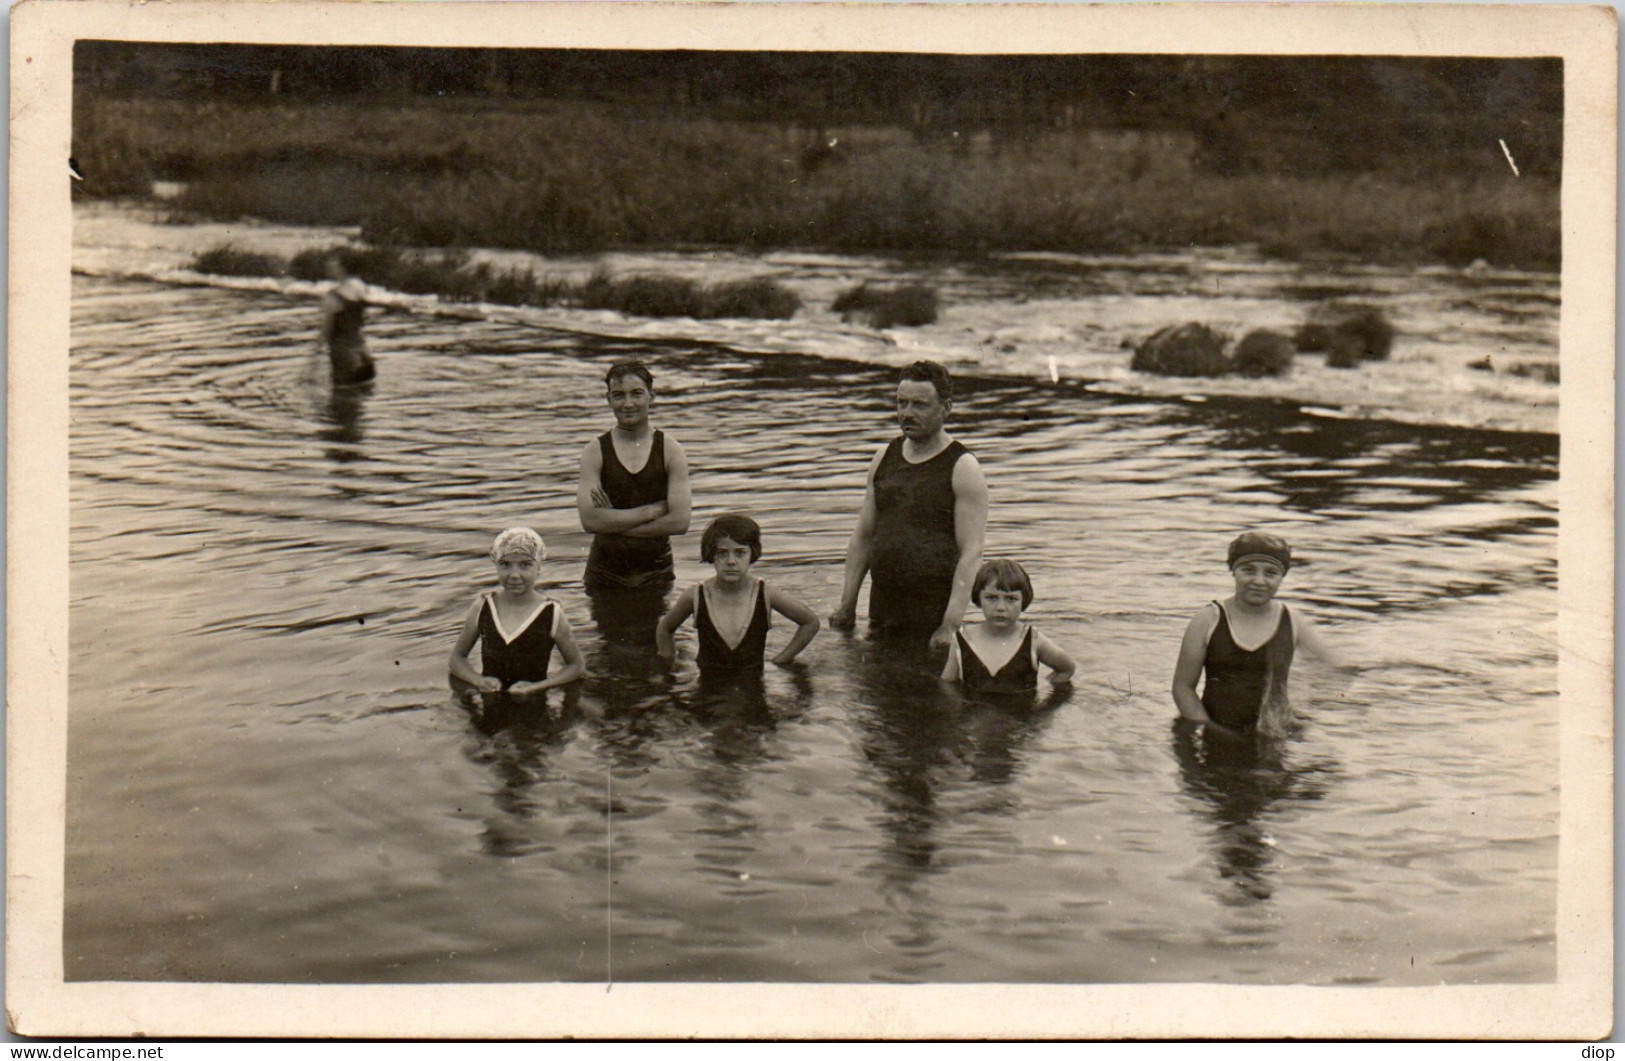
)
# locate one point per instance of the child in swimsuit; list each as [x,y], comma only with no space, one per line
[1001,653]
[731,609]
[1245,690]
[517,628]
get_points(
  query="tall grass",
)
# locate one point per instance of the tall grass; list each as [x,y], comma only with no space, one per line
[578,177]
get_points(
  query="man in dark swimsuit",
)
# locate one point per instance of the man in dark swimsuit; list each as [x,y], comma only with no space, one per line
[920,531]
[632,497]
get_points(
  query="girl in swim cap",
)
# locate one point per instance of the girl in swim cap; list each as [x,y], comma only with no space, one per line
[517,629]
[1244,645]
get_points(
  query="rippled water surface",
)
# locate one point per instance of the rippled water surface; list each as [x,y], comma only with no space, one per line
[270,781]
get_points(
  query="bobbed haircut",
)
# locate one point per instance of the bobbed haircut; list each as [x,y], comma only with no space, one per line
[1006,575]
[630,367]
[932,373]
[741,529]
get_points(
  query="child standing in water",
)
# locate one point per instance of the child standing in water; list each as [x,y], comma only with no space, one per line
[1245,690]
[517,628]
[731,609]
[1001,654]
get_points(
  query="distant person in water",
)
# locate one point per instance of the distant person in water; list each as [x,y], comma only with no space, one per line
[632,494]
[1244,646]
[517,629]
[344,306]
[920,531]
[732,610]
[1002,654]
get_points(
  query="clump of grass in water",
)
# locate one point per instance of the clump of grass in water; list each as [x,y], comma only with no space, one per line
[644,295]
[907,305]
[228,260]
[1263,353]
[1349,334]
[1182,350]
[450,275]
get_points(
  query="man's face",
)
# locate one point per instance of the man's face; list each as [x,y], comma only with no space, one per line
[629,399]
[920,412]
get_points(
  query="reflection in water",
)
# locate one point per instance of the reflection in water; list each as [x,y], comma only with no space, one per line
[626,620]
[517,736]
[924,737]
[343,415]
[1236,781]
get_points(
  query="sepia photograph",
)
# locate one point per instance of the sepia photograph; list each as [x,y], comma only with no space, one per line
[890,521]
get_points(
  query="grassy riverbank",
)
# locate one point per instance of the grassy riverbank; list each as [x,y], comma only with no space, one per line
[577,177]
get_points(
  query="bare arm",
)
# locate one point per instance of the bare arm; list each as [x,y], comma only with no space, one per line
[951,670]
[459,664]
[1192,656]
[1052,656]
[592,505]
[674,519]
[857,552]
[665,639]
[330,311]
[1308,635]
[970,531]
[798,613]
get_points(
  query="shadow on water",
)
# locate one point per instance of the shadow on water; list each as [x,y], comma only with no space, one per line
[1235,783]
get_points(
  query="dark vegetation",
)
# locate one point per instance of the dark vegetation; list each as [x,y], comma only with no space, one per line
[581,151]
[452,276]
[1182,350]
[906,305]
[1347,333]
[1264,353]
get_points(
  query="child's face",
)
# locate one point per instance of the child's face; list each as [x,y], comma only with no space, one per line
[1000,607]
[731,559]
[1257,581]
[517,572]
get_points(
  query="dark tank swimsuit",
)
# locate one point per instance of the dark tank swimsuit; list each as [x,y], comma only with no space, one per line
[345,347]
[1238,680]
[1018,675]
[915,551]
[522,655]
[715,654]
[619,561]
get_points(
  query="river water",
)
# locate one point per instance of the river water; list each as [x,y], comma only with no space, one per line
[269,779]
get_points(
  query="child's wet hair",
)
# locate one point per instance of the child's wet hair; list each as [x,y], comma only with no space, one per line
[741,529]
[630,367]
[1006,575]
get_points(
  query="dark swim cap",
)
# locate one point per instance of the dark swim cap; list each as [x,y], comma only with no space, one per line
[1258,545]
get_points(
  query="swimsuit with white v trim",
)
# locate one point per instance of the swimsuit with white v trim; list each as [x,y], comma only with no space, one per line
[1018,674]
[715,653]
[522,655]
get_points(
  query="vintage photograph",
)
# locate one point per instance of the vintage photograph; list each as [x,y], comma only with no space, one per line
[573,502]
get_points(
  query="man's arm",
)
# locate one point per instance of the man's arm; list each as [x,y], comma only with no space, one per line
[601,519]
[970,532]
[674,520]
[857,552]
